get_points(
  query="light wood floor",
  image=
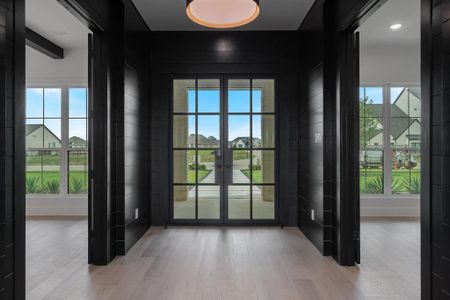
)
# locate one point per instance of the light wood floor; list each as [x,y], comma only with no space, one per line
[222,263]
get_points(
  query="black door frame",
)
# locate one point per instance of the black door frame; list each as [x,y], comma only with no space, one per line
[223,221]
[99,107]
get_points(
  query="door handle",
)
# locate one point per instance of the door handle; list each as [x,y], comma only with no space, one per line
[219,166]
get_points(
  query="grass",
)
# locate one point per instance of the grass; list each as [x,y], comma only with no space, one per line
[46,182]
[403,176]
[201,175]
[55,160]
[209,155]
[257,175]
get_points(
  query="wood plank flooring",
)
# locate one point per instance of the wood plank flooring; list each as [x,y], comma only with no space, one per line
[222,263]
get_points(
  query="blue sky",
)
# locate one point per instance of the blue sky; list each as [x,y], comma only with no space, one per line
[376,93]
[238,101]
[46,103]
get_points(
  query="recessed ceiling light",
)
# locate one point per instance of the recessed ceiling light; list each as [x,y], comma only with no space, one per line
[396,26]
[222,13]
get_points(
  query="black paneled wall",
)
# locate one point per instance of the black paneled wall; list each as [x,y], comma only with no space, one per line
[12,145]
[136,139]
[316,163]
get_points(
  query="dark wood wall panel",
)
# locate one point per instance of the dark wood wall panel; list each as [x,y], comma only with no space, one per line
[232,53]
[12,153]
[136,138]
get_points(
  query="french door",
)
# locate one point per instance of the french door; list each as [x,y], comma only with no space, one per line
[223,151]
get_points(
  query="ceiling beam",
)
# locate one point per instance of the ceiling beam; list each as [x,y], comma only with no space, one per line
[43,45]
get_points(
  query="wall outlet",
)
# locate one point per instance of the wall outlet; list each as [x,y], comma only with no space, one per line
[312,215]
[136,213]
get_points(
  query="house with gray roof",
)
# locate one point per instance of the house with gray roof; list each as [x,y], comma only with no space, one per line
[405,120]
[40,136]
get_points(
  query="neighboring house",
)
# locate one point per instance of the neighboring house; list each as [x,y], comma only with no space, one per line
[405,120]
[203,142]
[77,142]
[244,142]
[39,136]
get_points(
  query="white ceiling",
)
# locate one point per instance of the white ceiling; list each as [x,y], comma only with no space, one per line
[376,29]
[388,56]
[170,15]
[51,20]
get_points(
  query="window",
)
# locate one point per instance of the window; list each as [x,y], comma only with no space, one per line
[56,122]
[390,140]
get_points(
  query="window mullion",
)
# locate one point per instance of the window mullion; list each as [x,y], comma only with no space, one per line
[387,140]
[64,140]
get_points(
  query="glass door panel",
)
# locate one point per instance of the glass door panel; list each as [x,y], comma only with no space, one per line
[223,157]
[250,176]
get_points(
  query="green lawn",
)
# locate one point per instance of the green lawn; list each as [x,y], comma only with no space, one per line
[76,158]
[201,175]
[400,177]
[209,155]
[257,175]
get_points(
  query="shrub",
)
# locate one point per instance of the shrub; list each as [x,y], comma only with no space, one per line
[51,187]
[32,185]
[375,186]
[77,185]
[396,186]
[412,185]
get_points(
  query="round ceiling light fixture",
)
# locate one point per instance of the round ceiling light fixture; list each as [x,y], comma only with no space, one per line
[222,13]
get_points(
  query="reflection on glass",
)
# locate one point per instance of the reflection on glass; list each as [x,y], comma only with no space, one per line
[264,202]
[239,131]
[184,202]
[183,131]
[238,95]
[263,131]
[34,172]
[50,172]
[52,103]
[208,131]
[34,133]
[208,96]
[209,202]
[239,202]
[263,170]
[406,139]
[263,95]
[77,103]
[52,133]
[371,133]
[78,172]
[78,133]
[371,179]
[35,103]
[184,166]
[207,172]
[241,166]
[184,96]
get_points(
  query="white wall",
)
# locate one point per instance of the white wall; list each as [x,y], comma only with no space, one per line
[394,64]
[45,71]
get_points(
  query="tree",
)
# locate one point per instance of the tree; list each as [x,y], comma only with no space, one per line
[368,125]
